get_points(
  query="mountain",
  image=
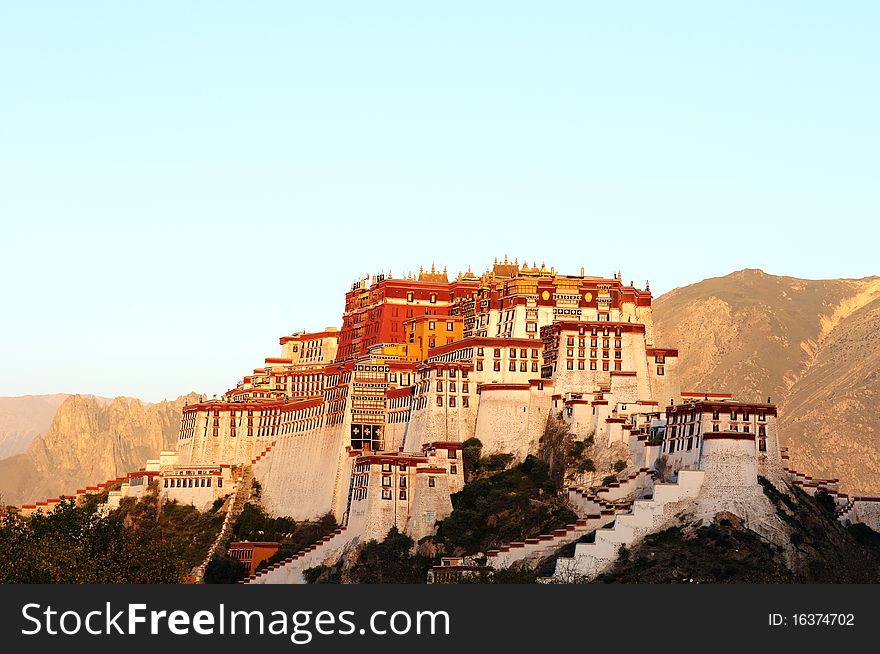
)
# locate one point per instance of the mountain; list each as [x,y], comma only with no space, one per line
[89,441]
[809,345]
[24,418]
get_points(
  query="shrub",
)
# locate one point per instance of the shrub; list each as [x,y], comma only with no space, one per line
[225,570]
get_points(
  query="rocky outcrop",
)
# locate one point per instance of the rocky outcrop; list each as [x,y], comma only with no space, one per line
[88,441]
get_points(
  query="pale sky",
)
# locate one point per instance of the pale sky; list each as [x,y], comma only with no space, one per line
[182,183]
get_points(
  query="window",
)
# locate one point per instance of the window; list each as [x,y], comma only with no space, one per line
[464,402]
[451,400]
[523,366]
[534,353]
[762,417]
[497,352]
[661,370]
[534,366]
[439,400]
[733,415]
[569,365]
[497,366]
[430,482]
[386,493]
[716,415]
[403,494]
[479,351]
[592,365]
[409,297]
[570,341]
[512,366]
[580,364]
[465,387]
[439,385]
[762,444]
[403,482]
[453,469]
[523,353]
[386,467]
[449,325]
[479,364]
[433,298]
[432,324]
[386,480]
[605,366]
[513,353]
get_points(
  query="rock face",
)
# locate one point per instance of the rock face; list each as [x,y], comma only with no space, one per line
[811,345]
[88,442]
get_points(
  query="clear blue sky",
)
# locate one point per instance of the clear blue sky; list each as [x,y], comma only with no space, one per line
[183,182]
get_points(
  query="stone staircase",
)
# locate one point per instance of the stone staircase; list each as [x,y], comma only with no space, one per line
[844,511]
[646,516]
[235,505]
[290,570]
[588,502]
[596,508]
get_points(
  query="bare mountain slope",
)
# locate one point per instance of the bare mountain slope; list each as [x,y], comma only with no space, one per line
[90,441]
[808,344]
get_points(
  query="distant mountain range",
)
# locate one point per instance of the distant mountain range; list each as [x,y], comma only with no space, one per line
[24,418]
[88,440]
[812,346]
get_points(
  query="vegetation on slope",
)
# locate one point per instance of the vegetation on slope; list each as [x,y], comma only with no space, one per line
[517,503]
[141,542]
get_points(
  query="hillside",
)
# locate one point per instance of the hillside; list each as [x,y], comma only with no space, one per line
[810,345]
[89,441]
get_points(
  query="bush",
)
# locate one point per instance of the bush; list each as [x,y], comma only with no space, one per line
[619,465]
[471,450]
[255,524]
[225,570]
[587,465]
[390,562]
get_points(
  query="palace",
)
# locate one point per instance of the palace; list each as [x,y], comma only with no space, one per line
[367,421]
[421,364]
